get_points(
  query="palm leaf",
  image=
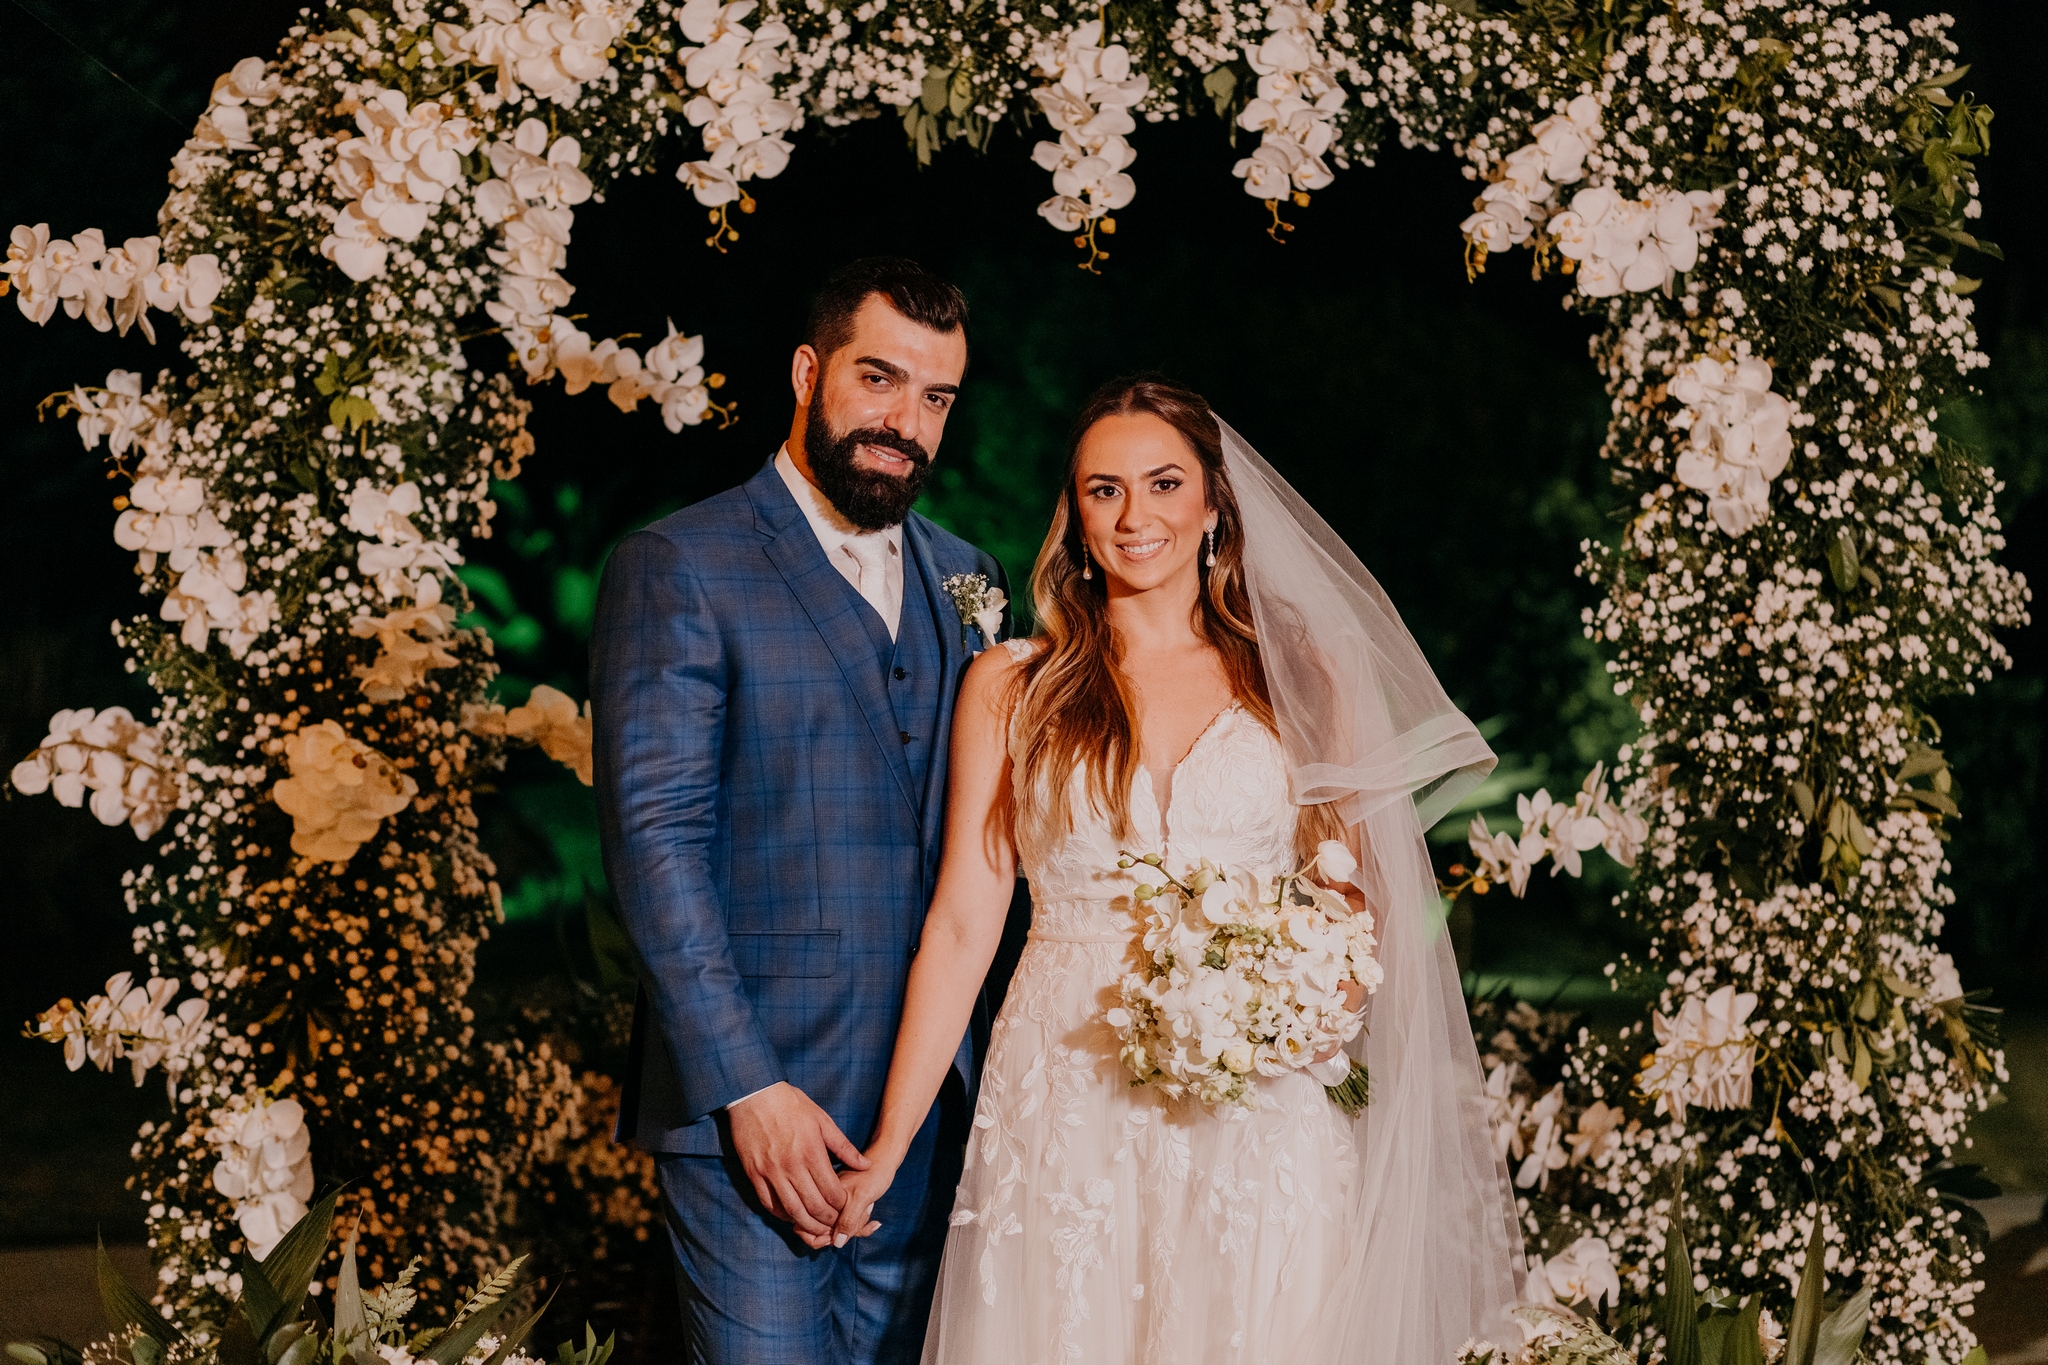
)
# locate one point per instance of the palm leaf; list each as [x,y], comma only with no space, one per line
[260,1305]
[126,1308]
[1744,1345]
[1805,1328]
[351,1324]
[1678,1311]
[1841,1332]
[295,1259]
[517,1336]
[451,1346]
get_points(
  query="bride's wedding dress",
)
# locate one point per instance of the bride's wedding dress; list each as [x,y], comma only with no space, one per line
[1101,1223]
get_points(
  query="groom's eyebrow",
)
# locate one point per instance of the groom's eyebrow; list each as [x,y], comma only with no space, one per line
[900,375]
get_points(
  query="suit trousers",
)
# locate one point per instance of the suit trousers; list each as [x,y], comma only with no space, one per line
[753,1294]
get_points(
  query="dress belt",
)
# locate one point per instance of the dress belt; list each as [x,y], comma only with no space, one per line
[1096,903]
[1043,937]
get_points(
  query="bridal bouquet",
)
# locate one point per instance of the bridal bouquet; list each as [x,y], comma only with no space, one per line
[1243,976]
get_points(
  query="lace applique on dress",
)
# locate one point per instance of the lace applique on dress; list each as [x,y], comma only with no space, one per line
[1098,1223]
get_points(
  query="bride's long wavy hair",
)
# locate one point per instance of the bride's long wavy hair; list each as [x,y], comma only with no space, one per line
[1074,708]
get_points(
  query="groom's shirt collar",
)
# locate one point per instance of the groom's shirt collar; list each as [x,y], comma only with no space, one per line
[838,536]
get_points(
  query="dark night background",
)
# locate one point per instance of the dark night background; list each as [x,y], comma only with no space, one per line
[1448,429]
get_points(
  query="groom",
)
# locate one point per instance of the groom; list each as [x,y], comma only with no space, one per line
[773,673]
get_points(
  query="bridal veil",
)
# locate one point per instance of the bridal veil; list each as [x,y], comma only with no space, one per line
[1436,1254]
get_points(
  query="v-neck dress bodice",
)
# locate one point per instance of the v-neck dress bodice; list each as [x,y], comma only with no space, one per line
[1103,1224]
[1228,802]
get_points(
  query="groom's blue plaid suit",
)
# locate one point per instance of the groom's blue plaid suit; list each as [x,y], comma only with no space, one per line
[771,775]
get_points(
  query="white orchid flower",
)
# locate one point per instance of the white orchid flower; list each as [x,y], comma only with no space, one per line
[29,272]
[1567,139]
[247,82]
[1065,213]
[264,1168]
[1527,171]
[1598,1133]
[1095,180]
[706,21]
[1268,173]
[1066,106]
[764,159]
[188,287]
[355,245]
[1625,833]
[712,185]
[534,244]
[1502,220]
[1584,1271]
[1738,437]
[549,172]
[676,358]
[1705,1055]
[685,405]
[1335,863]
[1546,1146]
[531,299]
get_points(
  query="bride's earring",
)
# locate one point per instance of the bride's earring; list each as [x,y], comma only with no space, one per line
[1087,565]
[1211,533]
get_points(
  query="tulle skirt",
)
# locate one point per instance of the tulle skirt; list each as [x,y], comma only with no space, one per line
[1101,1223]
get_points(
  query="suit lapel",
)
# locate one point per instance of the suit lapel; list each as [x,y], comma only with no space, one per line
[918,549]
[827,599]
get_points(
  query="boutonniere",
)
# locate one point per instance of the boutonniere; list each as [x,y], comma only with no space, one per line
[979,605]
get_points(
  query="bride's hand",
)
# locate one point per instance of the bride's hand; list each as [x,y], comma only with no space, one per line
[863,1190]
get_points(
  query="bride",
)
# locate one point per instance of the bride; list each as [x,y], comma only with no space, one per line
[1216,676]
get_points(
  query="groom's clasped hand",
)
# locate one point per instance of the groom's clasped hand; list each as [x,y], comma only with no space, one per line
[787,1145]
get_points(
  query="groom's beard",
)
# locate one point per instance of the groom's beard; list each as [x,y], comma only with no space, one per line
[870,499]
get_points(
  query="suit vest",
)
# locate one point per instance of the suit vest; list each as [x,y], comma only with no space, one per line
[909,668]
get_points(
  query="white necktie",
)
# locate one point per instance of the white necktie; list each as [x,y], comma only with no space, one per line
[871,553]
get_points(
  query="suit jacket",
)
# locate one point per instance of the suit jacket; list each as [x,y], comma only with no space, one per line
[771,778]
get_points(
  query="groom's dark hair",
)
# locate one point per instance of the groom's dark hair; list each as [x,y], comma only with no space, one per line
[911,290]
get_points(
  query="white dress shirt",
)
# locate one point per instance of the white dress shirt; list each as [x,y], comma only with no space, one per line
[870,560]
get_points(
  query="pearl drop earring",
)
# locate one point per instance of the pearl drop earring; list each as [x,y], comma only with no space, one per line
[1211,533]
[1087,565]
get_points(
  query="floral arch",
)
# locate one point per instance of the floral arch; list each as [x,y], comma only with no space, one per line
[1765,203]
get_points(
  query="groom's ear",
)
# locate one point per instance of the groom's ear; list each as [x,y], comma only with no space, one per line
[806,370]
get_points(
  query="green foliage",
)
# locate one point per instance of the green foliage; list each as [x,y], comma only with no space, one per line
[591,1352]
[1711,1331]
[269,1324]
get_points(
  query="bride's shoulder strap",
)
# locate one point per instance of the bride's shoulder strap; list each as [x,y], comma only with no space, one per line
[1020,650]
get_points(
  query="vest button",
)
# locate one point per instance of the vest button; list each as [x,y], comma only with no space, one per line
[901,674]
[905,734]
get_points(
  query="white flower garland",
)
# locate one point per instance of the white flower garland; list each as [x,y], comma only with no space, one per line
[1764,203]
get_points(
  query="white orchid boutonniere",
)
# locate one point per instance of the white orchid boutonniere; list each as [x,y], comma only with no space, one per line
[979,604]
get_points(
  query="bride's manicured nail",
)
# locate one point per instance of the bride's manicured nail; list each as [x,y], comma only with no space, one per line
[838,1239]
